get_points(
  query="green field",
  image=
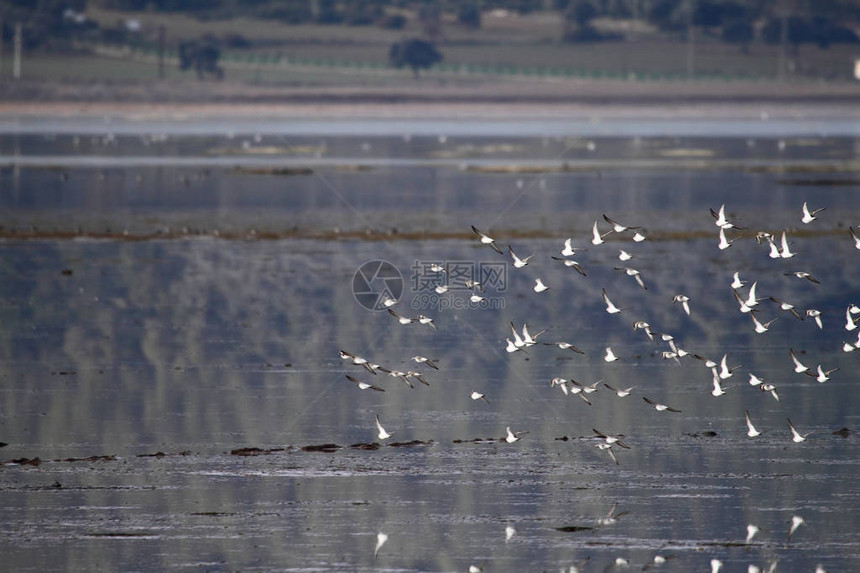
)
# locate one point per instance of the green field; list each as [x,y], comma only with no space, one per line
[515,47]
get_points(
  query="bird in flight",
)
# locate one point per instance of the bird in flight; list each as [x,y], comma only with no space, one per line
[809,216]
[751,430]
[610,308]
[364,385]
[660,407]
[796,436]
[487,240]
[381,432]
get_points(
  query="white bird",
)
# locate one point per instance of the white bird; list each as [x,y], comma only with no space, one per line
[684,300]
[475,395]
[596,237]
[759,327]
[774,250]
[638,237]
[803,275]
[425,320]
[441,289]
[569,250]
[610,356]
[724,243]
[725,371]
[565,346]
[751,300]
[850,321]
[364,385]
[401,319]
[611,440]
[624,255]
[751,531]
[617,227]
[855,237]
[751,430]
[796,521]
[718,390]
[716,565]
[608,449]
[561,383]
[512,346]
[487,240]
[437,268]
[785,252]
[512,437]
[518,341]
[610,308]
[389,302]
[358,361]
[755,380]
[381,538]
[660,407]
[736,281]
[621,393]
[382,434]
[476,298]
[744,307]
[821,375]
[766,387]
[632,273]
[796,436]
[798,366]
[815,315]
[786,306]
[518,262]
[571,263]
[642,325]
[528,339]
[720,219]
[425,360]
[539,286]
[808,216]
[509,533]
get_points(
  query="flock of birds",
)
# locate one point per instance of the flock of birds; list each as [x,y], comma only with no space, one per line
[744,292]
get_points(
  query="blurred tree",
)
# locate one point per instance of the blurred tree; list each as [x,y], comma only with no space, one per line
[202,56]
[430,16]
[45,22]
[738,32]
[470,15]
[415,53]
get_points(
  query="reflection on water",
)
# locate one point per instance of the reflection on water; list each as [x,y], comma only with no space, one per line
[199,346]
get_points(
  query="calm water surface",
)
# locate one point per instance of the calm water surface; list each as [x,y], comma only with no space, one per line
[197,346]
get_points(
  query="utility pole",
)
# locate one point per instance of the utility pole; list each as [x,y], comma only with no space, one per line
[783,43]
[16,62]
[161,37]
[691,41]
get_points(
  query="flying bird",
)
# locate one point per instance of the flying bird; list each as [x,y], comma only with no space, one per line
[720,219]
[610,356]
[632,273]
[751,430]
[565,346]
[570,263]
[424,360]
[621,393]
[821,375]
[761,327]
[512,437]
[724,242]
[795,521]
[518,262]
[624,255]
[684,300]
[539,286]
[855,237]
[809,216]
[796,436]
[475,395]
[784,251]
[364,385]
[660,407]
[596,237]
[610,308]
[569,250]
[815,315]
[617,227]
[382,434]
[803,275]
[487,240]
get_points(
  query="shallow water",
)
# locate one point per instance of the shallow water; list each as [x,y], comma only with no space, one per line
[196,347]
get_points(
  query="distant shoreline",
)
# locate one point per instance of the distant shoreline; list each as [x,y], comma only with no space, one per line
[428,99]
